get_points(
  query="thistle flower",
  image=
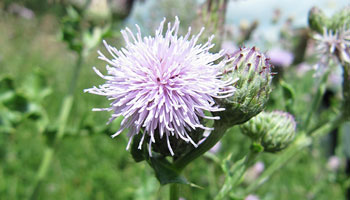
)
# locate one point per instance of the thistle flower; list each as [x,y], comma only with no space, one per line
[251,197]
[254,172]
[333,163]
[281,58]
[334,44]
[162,85]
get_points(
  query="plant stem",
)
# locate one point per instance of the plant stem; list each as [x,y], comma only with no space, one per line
[317,99]
[62,121]
[327,128]
[238,171]
[174,191]
[346,90]
[213,138]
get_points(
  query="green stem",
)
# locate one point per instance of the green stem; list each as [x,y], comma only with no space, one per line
[213,138]
[238,171]
[327,128]
[62,121]
[346,90]
[300,143]
[317,100]
[174,191]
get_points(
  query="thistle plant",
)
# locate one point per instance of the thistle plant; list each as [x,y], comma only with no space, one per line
[175,96]
[333,42]
[165,86]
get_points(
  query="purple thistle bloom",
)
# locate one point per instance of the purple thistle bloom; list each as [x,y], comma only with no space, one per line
[162,84]
[280,57]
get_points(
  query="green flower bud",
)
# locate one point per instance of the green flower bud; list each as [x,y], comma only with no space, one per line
[253,87]
[98,11]
[273,130]
[317,20]
[340,20]
[121,8]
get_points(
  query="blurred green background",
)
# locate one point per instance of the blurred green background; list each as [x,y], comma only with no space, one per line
[35,69]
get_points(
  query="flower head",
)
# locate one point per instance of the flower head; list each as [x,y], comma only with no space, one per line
[251,197]
[281,58]
[162,85]
[334,44]
[333,163]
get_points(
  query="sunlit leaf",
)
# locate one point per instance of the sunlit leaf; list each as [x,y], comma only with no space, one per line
[35,86]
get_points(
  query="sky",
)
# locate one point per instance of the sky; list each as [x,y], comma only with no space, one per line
[263,11]
[250,10]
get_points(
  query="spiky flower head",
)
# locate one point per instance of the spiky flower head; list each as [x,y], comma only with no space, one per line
[332,35]
[273,130]
[162,85]
[334,44]
[253,71]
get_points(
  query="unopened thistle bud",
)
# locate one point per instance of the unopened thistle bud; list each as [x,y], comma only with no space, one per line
[317,20]
[273,130]
[340,20]
[98,11]
[253,71]
[121,8]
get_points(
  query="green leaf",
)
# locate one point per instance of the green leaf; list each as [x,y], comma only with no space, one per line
[17,103]
[73,14]
[92,38]
[288,95]
[71,30]
[165,171]
[226,165]
[35,86]
[7,119]
[35,111]
[137,154]
[7,89]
